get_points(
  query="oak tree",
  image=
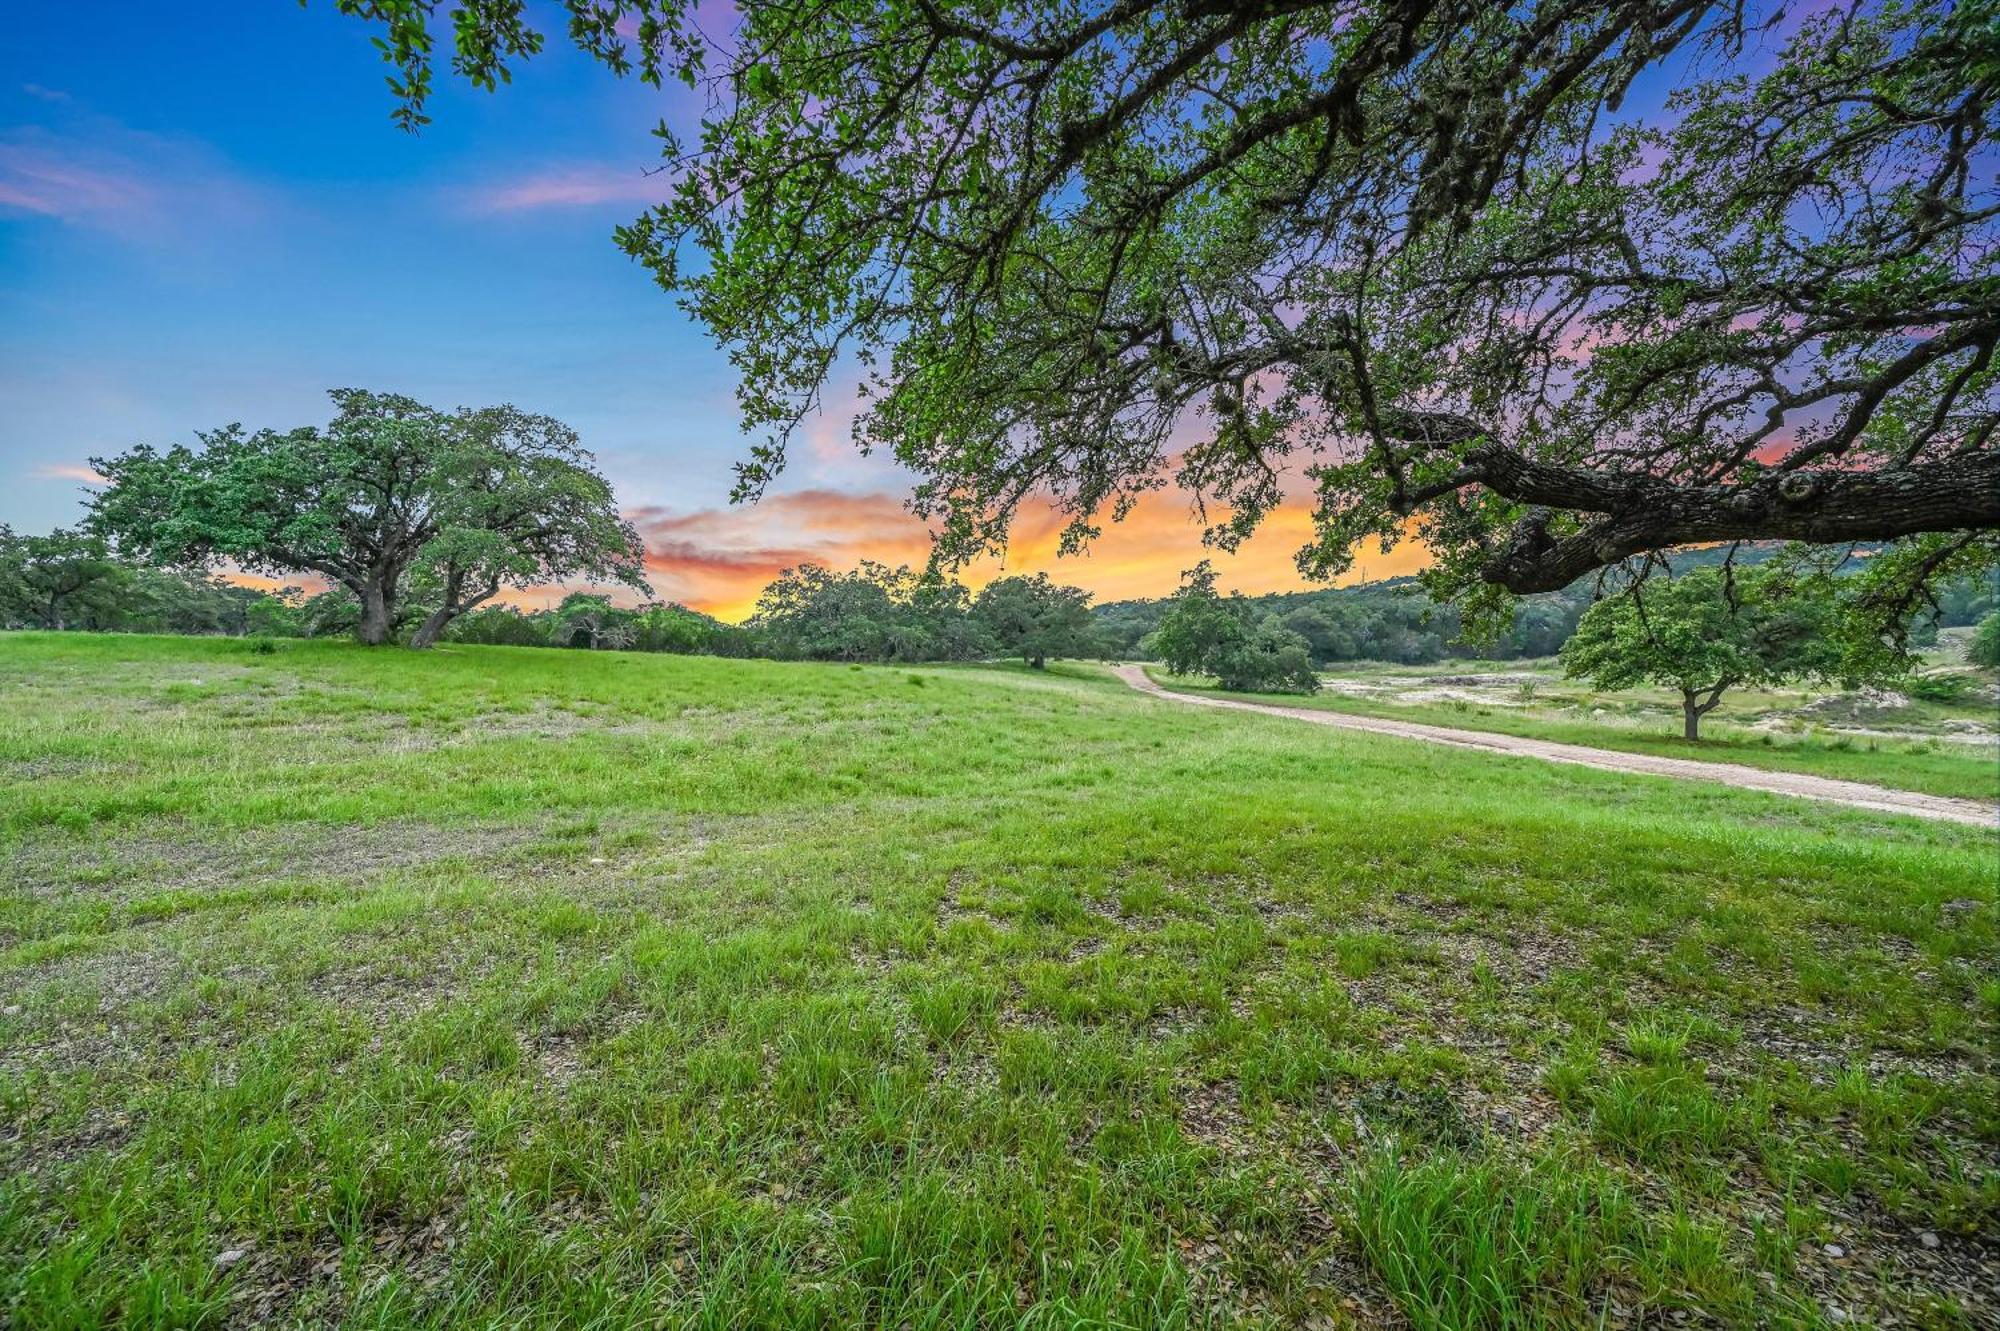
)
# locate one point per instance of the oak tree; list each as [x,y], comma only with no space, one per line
[395,502]
[1706,632]
[1204,633]
[1035,619]
[45,580]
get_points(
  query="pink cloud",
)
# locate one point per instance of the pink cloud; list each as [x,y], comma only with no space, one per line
[572,187]
[69,471]
[43,180]
[147,187]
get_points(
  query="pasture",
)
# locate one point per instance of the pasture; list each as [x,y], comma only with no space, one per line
[520,987]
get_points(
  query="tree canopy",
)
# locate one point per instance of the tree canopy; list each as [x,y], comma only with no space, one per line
[1203,633]
[871,613]
[393,501]
[1704,633]
[1035,619]
[1410,247]
[51,581]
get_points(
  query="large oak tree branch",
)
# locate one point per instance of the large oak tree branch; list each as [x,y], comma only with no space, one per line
[1641,513]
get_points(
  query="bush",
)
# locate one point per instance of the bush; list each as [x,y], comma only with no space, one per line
[1267,659]
[1207,634]
[1937,688]
[1984,650]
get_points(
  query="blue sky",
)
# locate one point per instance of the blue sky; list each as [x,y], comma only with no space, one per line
[213,221]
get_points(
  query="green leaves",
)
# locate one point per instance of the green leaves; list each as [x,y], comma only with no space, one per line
[1707,631]
[1203,634]
[390,495]
[1084,250]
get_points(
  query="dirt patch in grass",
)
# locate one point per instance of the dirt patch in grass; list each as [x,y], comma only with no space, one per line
[124,866]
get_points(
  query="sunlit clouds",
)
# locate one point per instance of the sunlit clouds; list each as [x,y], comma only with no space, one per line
[67,471]
[719,559]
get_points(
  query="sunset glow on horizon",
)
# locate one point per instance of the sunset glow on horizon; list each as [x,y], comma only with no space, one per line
[719,560]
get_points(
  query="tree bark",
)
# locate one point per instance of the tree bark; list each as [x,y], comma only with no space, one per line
[1637,512]
[427,632]
[1692,712]
[375,614]
[455,604]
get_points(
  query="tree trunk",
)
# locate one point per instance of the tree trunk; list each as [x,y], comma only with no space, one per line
[1690,716]
[427,632]
[456,603]
[1037,663]
[374,630]
[1633,512]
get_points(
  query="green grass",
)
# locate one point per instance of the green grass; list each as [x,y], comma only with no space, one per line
[1931,766]
[522,988]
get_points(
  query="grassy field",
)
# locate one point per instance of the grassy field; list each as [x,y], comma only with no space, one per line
[1648,721]
[526,988]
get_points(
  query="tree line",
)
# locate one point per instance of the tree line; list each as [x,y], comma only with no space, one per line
[871,613]
[1398,622]
[76,579]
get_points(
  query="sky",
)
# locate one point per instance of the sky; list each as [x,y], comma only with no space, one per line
[215,221]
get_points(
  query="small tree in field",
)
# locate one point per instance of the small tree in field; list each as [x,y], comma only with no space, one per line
[1195,626]
[1204,634]
[1035,619]
[390,501]
[1702,637]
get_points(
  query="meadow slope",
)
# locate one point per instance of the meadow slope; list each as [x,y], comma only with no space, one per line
[538,988]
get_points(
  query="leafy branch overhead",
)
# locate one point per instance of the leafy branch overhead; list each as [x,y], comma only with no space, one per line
[1411,249]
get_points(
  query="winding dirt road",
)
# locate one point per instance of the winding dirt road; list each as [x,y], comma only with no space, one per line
[1854,794]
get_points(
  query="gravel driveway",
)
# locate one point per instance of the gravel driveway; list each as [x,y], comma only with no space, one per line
[1855,794]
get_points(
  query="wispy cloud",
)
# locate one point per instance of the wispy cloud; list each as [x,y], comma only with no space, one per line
[67,471]
[105,176]
[578,186]
[46,181]
[41,94]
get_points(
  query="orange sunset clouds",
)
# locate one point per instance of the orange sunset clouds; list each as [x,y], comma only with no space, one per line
[718,560]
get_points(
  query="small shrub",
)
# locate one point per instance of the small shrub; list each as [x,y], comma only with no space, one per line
[1940,687]
[1984,649]
[263,647]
